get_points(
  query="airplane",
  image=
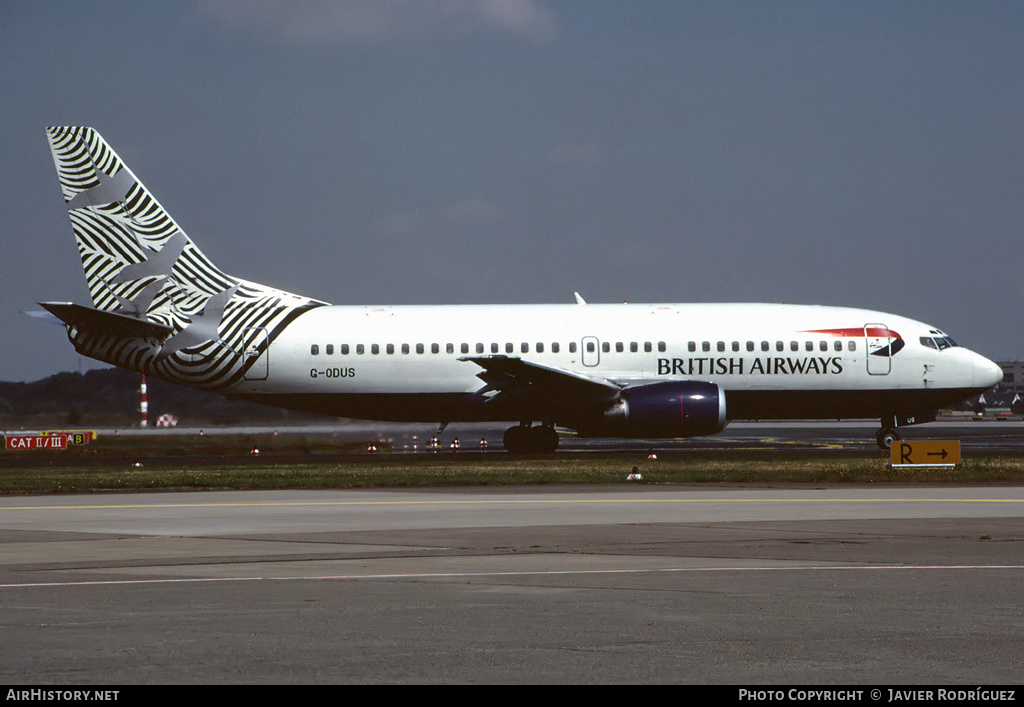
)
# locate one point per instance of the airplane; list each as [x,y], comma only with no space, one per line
[161,307]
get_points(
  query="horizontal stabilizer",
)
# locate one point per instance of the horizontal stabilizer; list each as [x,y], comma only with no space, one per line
[100,321]
[44,317]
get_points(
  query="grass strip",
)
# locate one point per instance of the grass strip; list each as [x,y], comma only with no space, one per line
[498,469]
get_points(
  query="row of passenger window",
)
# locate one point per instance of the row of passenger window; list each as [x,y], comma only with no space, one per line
[721,346]
[480,348]
[591,347]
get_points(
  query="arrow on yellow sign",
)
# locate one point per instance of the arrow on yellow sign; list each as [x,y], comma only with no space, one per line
[925,453]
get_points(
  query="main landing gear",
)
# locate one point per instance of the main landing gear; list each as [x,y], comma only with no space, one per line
[524,439]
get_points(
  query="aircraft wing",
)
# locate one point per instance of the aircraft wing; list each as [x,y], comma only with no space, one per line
[513,376]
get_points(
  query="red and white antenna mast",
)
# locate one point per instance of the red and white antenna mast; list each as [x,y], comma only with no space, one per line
[143,405]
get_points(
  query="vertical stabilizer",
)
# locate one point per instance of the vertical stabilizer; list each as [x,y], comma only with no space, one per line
[139,263]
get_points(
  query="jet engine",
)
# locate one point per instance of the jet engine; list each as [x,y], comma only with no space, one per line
[668,409]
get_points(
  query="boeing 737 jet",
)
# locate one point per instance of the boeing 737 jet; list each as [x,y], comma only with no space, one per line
[161,307]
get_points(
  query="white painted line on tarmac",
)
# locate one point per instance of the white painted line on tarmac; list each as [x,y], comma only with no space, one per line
[517,573]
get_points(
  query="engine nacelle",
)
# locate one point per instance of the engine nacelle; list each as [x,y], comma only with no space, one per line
[669,409]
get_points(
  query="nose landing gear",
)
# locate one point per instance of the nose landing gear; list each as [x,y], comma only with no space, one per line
[886,437]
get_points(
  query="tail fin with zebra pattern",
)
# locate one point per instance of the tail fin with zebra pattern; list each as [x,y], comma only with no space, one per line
[160,306]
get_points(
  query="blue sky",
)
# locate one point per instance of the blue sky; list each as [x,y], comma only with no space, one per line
[868,154]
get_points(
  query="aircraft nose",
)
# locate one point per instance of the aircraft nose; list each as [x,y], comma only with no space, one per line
[987,374]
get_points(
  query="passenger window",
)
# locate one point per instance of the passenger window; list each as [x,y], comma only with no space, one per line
[661,347]
[375,349]
[823,346]
[540,347]
[494,347]
[633,348]
[464,348]
[779,346]
[808,346]
[344,349]
[692,346]
[509,348]
[555,348]
[619,348]
[449,348]
[314,349]
[851,345]
[735,346]
[590,347]
[647,347]
[329,349]
[750,346]
[360,349]
[721,346]
[794,345]
[572,347]
[606,347]
[390,348]
[765,346]
[479,348]
[705,346]
[838,346]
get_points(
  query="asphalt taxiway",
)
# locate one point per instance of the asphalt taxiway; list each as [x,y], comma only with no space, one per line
[680,584]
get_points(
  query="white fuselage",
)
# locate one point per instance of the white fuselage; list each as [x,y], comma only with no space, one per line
[772,360]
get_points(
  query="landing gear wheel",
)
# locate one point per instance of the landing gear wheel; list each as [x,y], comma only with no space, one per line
[523,439]
[516,439]
[887,437]
[545,438]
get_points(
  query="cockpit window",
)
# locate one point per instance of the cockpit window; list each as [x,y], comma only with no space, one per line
[938,342]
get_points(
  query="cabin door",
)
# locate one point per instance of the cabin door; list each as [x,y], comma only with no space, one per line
[255,357]
[878,345]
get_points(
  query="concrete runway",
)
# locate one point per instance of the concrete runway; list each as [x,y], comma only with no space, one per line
[620,584]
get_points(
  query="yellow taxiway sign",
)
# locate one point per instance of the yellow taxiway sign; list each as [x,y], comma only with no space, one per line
[920,452]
